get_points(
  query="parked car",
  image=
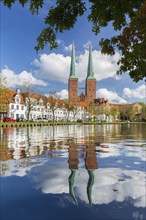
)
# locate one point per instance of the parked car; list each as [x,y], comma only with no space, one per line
[41,120]
[45,120]
[20,119]
[8,119]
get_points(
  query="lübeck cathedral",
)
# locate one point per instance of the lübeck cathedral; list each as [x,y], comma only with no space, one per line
[90,85]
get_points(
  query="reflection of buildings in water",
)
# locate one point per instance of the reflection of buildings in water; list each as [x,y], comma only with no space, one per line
[90,159]
[73,166]
[29,139]
[90,164]
[17,143]
[32,141]
[21,152]
[6,153]
[20,143]
[73,157]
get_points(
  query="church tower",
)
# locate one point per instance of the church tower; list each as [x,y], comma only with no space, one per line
[90,90]
[73,79]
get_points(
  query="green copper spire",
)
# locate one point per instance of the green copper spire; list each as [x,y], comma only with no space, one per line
[90,73]
[72,67]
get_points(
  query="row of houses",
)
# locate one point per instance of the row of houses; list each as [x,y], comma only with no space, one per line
[37,108]
[33,107]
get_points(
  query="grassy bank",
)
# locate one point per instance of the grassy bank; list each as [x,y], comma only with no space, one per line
[25,124]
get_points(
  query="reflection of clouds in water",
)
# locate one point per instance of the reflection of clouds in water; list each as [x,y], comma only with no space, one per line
[120,149]
[136,152]
[51,179]
[111,184]
[128,183]
[21,167]
[137,163]
[113,150]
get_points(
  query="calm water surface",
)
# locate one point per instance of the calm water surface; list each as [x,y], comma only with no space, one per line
[73,172]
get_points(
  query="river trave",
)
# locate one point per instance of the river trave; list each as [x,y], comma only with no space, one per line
[73,172]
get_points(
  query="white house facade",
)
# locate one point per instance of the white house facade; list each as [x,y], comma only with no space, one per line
[17,108]
[41,111]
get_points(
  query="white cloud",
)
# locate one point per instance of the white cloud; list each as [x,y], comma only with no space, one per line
[63,46]
[63,94]
[103,66]
[68,48]
[53,66]
[57,66]
[60,41]
[110,95]
[86,46]
[139,92]
[14,79]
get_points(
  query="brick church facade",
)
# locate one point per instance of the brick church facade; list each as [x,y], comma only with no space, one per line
[90,84]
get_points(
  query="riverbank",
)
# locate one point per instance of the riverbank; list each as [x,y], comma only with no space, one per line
[25,124]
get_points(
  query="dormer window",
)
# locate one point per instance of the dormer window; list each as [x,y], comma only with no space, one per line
[17,99]
[48,105]
[41,102]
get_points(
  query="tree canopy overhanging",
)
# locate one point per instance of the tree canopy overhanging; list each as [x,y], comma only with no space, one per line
[128,17]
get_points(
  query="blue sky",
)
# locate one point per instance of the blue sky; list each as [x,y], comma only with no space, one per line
[49,70]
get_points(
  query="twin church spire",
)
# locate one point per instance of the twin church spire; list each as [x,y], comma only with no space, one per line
[72,66]
[90,73]
[90,89]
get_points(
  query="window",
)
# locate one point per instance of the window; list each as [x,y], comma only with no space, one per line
[12,106]
[22,107]
[17,107]
[12,115]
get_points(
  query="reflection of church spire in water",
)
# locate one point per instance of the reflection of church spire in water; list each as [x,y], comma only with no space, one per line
[89,186]
[73,166]
[91,164]
[71,185]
